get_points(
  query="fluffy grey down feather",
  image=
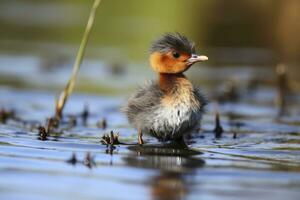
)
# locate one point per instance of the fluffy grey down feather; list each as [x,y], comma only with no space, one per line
[144,108]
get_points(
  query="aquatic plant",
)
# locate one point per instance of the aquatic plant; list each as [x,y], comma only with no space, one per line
[60,103]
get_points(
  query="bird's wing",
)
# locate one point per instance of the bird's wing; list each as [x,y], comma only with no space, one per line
[201,98]
[143,100]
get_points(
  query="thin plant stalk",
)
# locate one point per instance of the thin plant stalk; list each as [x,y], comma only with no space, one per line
[60,103]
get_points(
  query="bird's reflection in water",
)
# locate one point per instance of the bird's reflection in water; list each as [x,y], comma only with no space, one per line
[176,166]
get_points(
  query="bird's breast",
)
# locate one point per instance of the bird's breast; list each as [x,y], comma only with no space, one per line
[173,115]
[176,110]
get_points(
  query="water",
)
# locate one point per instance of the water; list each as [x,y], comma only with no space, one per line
[258,155]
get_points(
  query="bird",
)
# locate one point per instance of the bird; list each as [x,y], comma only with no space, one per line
[171,106]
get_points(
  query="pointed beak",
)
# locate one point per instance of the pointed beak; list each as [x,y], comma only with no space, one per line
[195,58]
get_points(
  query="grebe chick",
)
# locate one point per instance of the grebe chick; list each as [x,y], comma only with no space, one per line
[171,107]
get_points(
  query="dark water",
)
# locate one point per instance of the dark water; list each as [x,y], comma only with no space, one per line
[258,155]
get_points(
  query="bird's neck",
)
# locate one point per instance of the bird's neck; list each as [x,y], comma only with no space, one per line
[171,82]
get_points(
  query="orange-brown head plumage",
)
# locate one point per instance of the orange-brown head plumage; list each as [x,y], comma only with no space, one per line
[173,53]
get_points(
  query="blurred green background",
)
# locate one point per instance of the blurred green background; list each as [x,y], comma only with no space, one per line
[130,25]
[46,34]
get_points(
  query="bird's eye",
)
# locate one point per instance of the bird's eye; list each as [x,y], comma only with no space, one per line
[176,54]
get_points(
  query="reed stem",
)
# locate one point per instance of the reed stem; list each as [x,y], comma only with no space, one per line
[60,103]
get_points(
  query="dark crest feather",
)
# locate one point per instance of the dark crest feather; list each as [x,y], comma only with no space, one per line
[173,41]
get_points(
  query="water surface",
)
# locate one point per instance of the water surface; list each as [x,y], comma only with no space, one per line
[258,155]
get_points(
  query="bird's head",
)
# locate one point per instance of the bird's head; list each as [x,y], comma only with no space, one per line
[173,54]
